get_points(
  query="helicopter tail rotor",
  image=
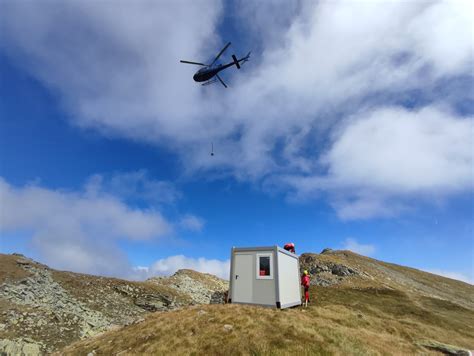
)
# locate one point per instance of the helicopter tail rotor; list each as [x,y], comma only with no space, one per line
[236,61]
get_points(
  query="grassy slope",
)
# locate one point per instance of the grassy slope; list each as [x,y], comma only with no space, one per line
[385,275]
[340,321]
[390,311]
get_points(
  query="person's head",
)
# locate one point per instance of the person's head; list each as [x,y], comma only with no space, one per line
[305,272]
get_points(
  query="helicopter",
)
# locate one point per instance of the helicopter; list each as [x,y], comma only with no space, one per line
[209,71]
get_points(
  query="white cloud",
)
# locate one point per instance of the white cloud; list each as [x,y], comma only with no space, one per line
[78,231]
[117,65]
[403,151]
[192,223]
[136,186]
[383,157]
[354,246]
[117,71]
[169,265]
[453,275]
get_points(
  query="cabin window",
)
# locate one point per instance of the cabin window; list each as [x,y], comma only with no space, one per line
[264,266]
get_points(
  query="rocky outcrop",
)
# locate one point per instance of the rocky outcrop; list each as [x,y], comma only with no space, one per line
[326,273]
[42,310]
[43,313]
[202,288]
[41,291]
[149,302]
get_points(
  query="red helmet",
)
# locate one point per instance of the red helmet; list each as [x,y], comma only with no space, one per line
[290,247]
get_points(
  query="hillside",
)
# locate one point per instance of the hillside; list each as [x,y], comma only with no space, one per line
[359,306]
[42,310]
[345,269]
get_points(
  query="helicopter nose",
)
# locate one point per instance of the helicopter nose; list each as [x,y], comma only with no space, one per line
[195,77]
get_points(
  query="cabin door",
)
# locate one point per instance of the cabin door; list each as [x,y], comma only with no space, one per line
[243,278]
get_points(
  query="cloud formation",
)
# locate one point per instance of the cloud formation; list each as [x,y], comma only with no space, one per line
[381,158]
[80,230]
[169,265]
[192,223]
[329,83]
[351,244]
[134,186]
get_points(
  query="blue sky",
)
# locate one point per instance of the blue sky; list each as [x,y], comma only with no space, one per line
[349,128]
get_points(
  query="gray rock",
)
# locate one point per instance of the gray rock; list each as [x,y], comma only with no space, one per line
[205,290]
[20,347]
[153,302]
[40,290]
[341,270]
[324,273]
[218,297]
[228,327]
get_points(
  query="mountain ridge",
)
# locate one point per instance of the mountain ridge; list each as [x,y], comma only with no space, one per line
[44,309]
[359,305]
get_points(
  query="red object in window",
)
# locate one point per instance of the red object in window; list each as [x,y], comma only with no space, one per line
[263,272]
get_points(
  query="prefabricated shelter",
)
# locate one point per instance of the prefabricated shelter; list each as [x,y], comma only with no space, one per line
[266,276]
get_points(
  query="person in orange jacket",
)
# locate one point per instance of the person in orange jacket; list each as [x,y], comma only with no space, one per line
[305,283]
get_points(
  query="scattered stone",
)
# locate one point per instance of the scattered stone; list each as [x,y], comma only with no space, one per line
[25,346]
[41,290]
[228,327]
[445,348]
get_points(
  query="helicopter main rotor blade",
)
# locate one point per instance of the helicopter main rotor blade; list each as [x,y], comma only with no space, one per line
[220,53]
[222,82]
[197,63]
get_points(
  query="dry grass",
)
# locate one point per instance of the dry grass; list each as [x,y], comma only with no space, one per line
[9,270]
[356,322]
[383,275]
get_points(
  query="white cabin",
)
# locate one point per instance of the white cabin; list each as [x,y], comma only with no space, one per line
[267,276]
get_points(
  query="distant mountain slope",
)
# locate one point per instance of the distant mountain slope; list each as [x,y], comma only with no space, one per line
[359,306]
[42,310]
[348,269]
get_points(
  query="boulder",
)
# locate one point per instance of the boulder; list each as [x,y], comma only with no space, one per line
[23,347]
